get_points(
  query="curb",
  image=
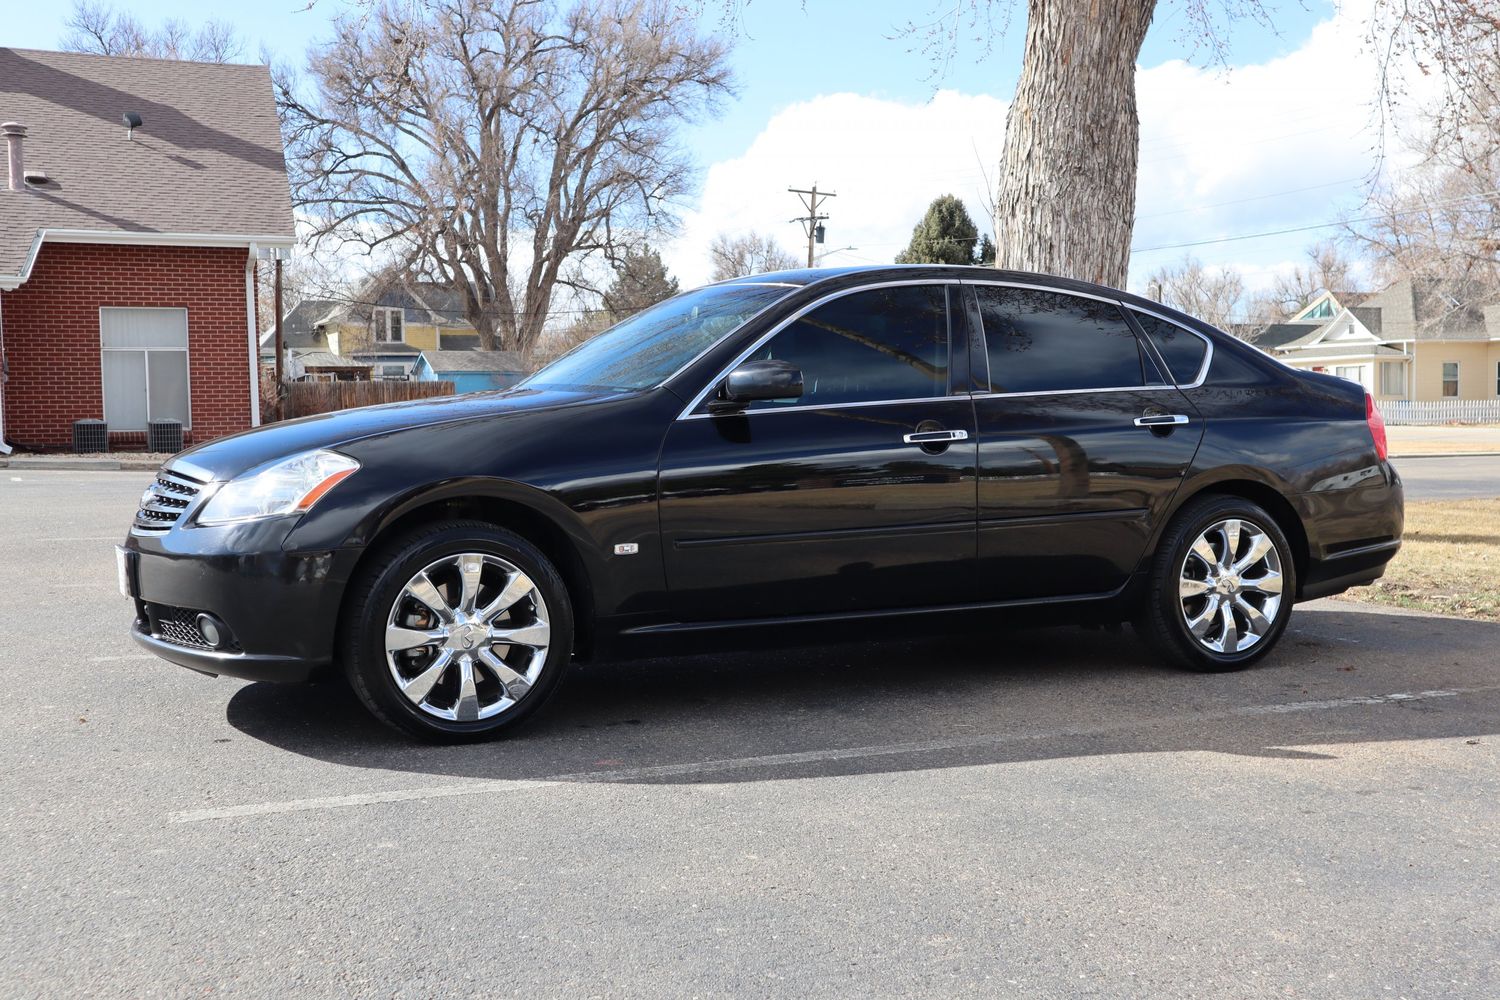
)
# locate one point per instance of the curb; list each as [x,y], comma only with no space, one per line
[1447,454]
[80,464]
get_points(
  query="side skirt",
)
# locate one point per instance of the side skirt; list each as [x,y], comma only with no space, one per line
[685,628]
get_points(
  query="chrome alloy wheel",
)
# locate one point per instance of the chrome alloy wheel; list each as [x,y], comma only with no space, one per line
[467,637]
[1230,586]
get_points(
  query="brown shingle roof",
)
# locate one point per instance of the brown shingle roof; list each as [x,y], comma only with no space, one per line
[206,160]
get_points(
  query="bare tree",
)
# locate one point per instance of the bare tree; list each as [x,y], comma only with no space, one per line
[1457,40]
[748,253]
[1440,222]
[100,29]
[498,147]
[1211,294]
[1328,269]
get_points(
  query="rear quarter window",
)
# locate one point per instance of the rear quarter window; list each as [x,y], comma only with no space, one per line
[1182,350]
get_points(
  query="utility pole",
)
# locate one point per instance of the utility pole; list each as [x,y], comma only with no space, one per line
[812,221]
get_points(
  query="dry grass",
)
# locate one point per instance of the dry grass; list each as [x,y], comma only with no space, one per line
[1449,561]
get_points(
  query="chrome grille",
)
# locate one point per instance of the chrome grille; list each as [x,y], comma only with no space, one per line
[166,500]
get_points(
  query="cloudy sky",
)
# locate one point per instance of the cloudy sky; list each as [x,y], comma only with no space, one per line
[1282,136]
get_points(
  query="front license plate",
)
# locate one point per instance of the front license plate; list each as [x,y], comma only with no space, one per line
[122,572]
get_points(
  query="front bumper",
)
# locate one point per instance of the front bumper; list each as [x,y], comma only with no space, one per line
[226,663]
[279,610]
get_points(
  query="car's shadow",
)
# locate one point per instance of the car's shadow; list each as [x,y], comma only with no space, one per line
[936,702]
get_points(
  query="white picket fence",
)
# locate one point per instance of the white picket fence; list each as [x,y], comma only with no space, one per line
[1440,411]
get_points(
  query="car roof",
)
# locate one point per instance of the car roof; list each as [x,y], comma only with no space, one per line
[844,276]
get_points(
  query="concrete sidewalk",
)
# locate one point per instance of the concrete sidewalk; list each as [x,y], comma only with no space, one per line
[1415,442]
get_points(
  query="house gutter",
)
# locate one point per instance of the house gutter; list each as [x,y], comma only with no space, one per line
[254,337]
[5,449]
[137,238]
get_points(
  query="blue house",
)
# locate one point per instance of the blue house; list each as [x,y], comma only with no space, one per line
[470,371]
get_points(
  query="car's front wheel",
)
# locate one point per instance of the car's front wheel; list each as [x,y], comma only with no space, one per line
[457,632]
[1221,585]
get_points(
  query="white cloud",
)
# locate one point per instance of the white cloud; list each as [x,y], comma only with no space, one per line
[885,159]
[1285,143]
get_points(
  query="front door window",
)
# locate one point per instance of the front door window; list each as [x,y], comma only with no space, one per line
[877,345]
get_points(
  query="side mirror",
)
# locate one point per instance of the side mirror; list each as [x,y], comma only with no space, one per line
[755,380]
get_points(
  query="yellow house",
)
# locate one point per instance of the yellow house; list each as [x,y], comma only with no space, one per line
[388,326]
[1404,343]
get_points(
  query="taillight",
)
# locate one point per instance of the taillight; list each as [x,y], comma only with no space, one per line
[1377,426]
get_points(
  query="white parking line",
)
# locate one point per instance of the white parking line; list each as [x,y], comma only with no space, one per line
[495,786]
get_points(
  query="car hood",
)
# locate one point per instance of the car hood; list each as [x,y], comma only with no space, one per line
[227,457]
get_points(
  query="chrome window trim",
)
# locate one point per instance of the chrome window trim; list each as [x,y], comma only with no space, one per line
[1071,392]
[1208,355]
[687,411]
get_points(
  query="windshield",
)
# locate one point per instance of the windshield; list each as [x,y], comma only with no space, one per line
[641,351]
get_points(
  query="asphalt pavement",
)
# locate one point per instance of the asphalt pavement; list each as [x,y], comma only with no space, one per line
[1450,477]
[1045,813]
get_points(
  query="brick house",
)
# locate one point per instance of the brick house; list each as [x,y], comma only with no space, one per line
[138,195]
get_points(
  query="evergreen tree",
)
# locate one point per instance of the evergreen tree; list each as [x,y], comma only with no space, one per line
[946,235]
[641,280]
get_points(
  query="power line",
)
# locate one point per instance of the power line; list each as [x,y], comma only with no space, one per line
[1321,225]
[1241,201]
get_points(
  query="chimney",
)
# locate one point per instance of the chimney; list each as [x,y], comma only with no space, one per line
[14,132]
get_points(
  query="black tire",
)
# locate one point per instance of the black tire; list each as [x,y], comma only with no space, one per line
[375,591]
[1162,619]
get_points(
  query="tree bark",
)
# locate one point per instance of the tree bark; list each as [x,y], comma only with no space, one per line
[1066,198]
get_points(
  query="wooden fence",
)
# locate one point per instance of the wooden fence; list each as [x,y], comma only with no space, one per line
[306,398]
[1440,411]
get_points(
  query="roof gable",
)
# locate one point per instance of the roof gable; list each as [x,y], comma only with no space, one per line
[1319,310]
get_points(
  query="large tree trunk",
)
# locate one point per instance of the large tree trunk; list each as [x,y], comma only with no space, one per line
[1066,200]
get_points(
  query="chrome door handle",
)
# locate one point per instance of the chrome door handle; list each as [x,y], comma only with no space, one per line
[1161,420]
[935,437]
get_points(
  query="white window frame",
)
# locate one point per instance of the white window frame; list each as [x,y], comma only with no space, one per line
[385,312]
[1400,369]
[1443,379]
[1497,378]
[187,359]
[1357,377]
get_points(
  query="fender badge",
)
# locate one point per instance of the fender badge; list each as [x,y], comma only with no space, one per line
[627,549]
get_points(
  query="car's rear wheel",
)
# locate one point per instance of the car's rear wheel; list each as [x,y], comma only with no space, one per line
[1221,585]
[457,632]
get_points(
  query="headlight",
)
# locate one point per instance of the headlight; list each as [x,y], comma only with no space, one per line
[287,487]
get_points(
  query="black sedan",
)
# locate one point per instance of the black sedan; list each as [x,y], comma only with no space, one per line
[753,457]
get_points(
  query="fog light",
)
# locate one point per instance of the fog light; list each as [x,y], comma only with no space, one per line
[212,630]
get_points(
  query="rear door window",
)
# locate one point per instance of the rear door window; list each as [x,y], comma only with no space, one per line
[1044,341]
[1181,349]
